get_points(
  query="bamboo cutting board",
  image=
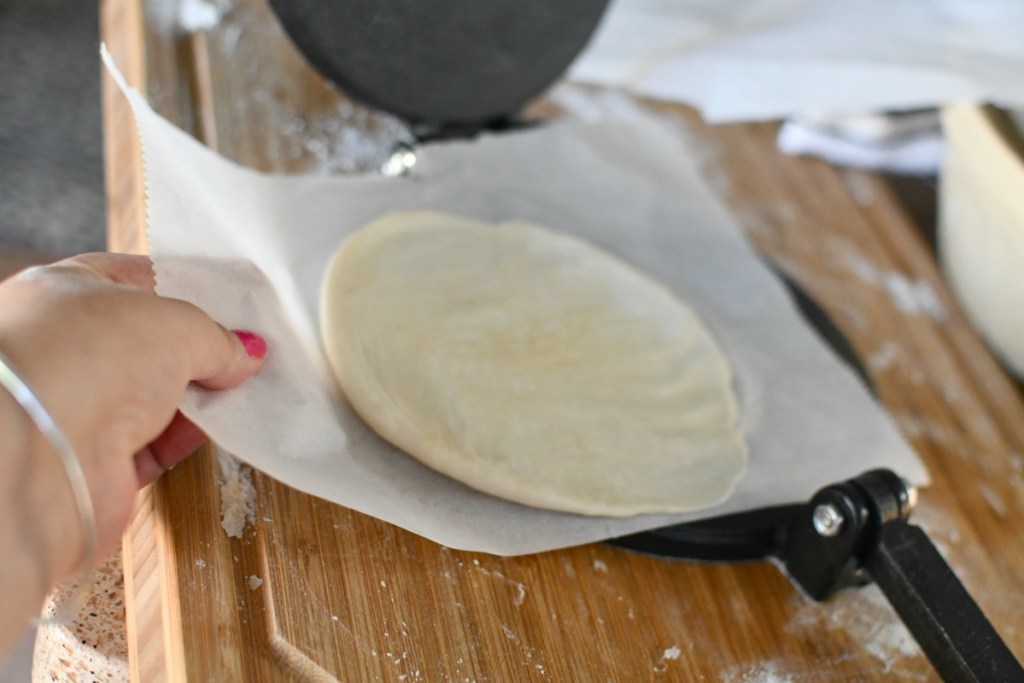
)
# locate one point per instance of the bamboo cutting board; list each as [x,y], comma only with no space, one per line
[314,591]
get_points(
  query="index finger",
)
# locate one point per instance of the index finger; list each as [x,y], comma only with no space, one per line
[125,269]
[218,358]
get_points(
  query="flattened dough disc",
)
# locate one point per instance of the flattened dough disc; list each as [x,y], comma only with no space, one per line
[531,365]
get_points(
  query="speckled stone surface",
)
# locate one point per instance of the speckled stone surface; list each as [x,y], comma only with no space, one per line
[92,647]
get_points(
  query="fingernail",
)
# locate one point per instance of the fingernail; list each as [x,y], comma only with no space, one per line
[254,344]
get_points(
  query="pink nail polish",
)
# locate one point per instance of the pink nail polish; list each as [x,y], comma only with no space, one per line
[254,344]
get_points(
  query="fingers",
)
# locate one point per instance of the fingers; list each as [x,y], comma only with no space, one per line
[246,353]
[214,357]
[221,359]
[179,440]
[147,469]
[124,269]
[217,358]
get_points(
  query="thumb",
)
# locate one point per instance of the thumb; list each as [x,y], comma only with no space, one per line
[214,357]
[244,354]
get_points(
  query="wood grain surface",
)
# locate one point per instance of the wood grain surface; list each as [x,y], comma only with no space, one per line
[349,597]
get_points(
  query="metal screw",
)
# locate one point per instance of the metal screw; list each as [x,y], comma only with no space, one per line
[911,498]
[401,161]
[827,520]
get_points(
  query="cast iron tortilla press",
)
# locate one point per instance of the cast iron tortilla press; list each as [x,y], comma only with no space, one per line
[452,68]
[446,66]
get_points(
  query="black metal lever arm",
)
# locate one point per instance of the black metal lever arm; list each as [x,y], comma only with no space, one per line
[950,627]
[857,529]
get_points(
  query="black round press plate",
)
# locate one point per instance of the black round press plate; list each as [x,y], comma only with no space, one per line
[445,64]
[754,534]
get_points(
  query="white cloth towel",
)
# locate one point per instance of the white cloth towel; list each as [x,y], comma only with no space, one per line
[906,143]
[773,59]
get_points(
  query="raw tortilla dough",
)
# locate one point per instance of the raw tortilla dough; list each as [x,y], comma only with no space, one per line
[530,365]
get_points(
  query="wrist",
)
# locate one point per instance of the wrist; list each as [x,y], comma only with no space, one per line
[39,524]
[39,537]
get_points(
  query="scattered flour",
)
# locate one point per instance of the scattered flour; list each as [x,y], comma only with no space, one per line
[914,427]
[255,582]
[198,15]
[866,616]
[913,297]
[237,495]
[768,218]
[887,355]
[890,355]
[600,566]
[1017,462]
[201,563]
[342,137]
[765,672]
[886,639]
[601,104]
[860,188]
[346,139]
[994,501]
[670,654]
[520,596]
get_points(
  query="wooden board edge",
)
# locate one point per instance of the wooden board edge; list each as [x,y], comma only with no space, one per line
[122,29]
[152,614]
[144,542]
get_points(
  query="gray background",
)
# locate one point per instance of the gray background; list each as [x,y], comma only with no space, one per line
[51,154]
[51,149]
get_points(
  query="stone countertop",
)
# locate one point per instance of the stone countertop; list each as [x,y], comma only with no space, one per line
[93,646]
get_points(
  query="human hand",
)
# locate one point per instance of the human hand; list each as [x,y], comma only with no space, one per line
[110,361]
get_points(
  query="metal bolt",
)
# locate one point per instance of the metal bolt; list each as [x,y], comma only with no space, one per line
[827,520]
[911,498]
[401,161]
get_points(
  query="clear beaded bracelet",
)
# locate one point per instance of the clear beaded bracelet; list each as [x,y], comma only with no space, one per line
[23,394]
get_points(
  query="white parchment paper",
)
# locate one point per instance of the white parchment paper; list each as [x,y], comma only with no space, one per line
[251,248]
[758,59]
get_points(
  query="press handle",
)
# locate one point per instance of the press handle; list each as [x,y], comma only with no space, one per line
[961,643]
[857,531]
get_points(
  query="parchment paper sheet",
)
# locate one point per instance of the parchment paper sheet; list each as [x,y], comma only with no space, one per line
[251,248]
[759,59]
